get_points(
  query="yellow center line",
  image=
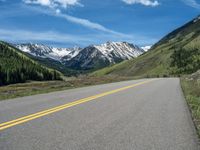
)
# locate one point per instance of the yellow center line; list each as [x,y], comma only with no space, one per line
[30,117]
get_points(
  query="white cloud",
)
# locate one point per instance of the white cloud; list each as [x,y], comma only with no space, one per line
[104,34]
[21,36]
[54,3]
[80,21]
[51,36]
[152,3]
[192,3]
[88,23]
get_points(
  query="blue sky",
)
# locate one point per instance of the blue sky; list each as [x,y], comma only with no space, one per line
[66,23]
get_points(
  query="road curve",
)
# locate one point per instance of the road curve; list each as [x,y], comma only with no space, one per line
[132,115]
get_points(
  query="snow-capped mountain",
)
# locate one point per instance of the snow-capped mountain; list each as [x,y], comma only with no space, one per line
[98,56]
[91,57]
[43,51]
[122,50]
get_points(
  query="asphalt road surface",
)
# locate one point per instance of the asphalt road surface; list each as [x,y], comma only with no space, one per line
[132,115]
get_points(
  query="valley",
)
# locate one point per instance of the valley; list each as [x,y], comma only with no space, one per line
[73,61]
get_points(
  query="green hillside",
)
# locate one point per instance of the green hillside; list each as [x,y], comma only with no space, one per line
[15,67]
[177,53]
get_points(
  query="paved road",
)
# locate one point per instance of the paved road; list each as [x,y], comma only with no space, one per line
[152,115]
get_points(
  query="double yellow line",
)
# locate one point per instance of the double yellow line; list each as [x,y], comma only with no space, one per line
[27,118]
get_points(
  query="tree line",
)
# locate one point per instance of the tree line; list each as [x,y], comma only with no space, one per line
[15,67]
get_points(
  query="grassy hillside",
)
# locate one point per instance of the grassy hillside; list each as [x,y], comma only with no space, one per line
[15,67]
[191,89]
[177,53]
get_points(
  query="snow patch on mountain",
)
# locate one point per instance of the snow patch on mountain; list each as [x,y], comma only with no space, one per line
[146,48]
[122,50]
[196,19]
[43,51]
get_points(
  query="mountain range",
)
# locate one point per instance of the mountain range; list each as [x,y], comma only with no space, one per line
[92,57]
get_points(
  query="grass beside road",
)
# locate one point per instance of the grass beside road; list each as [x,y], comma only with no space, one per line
[191,88]
[33,88]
